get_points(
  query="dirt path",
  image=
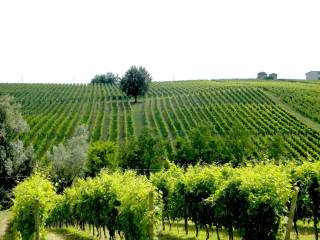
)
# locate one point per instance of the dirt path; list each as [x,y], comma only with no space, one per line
[54,236]
[68,234]
[4,221]
[307,121]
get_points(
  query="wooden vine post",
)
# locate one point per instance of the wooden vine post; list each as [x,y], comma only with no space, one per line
[291,213]
[37,219]
[151,211]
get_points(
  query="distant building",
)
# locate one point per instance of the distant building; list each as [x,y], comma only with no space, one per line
[313,75]
[273,76]
[262,75]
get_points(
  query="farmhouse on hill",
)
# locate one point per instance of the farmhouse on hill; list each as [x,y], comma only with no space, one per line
[313,75]
[264,75]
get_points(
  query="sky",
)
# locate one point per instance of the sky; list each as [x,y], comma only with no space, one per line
[69,41]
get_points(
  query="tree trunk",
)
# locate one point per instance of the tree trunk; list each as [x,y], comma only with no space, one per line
[291,213]
[315,222]
[197,229]
[295,224]
[207,233]
[230,230]
[163,225]
[186,224]
[217,230]
[135,99]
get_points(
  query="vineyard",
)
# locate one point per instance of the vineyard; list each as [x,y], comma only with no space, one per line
[170,109]
[249,202]
[266,132]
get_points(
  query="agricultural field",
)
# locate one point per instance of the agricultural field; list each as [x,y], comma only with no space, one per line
[171,109]
[244,199]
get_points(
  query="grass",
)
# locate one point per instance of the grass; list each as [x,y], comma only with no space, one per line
[177,232]
[68,234]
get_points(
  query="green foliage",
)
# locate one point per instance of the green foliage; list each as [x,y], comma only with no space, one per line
[165,181]
[35,187]
[101,155]
[205,147]
[117,201]
[307,178]
[15,161]
[170,110]
[250,199]
[144,154]
[135,82]
[304,97]
[68,161]
[109,78]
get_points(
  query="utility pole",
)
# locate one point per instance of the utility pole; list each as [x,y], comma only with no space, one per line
[291,213]
[151,210]
[37,219]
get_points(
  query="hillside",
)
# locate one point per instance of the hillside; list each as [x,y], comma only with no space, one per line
[170,109]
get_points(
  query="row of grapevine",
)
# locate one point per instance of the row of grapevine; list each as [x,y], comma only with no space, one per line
[169,109]
[251,200]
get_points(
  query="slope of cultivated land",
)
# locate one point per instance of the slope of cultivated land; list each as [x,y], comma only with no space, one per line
[303,96]
[171,109]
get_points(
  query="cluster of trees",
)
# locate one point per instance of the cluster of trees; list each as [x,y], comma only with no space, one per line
[236,147]
[108,78]
[77,159]
[15,162]
[149,153]
[134,83]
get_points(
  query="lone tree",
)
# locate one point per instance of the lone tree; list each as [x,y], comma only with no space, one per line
[109,78]
[135,82]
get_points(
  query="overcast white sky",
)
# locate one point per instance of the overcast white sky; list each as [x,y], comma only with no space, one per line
[72,40]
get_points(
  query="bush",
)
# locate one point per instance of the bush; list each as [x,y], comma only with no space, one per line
[101,155]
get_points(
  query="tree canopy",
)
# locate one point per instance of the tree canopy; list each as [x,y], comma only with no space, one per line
[108,78]
[135,82]
[68,160]
[146,153]
[101,155]
[15,161]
